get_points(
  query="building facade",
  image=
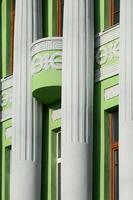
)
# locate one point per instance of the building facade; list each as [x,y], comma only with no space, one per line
[66,100]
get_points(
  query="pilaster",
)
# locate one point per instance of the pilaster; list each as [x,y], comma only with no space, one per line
[26,140]
[77,100]
[126,102]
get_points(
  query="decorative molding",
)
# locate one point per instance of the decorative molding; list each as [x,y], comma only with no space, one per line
[50,56]
[6,97]
[56,115]
[8,132]
[106,36]
[107,53]
[5,114]
[46,62]
[111,92]
[106,72]
[46,44]
[6,83]
[6,91]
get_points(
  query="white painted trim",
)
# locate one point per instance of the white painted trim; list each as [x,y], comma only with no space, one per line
[6,83]
[106,36]
[111,92]
[106,72]
[5,115]
[8,132]
[46,44]
[56,115]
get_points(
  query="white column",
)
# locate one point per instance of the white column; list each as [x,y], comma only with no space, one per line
[126,102]
[77,100]
[26,141]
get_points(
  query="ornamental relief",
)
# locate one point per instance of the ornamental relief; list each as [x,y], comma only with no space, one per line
[6,97]
[108,53]
[47,61]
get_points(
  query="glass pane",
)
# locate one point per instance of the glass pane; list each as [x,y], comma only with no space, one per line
[62,14]
[59,181]
[116,5]
[116,175]
[59,145]
[7,172]
[115,126]
[116,18]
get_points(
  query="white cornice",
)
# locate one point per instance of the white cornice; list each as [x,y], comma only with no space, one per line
[106,72]
[6,83]
[107,36]
[111,92]
[45,44]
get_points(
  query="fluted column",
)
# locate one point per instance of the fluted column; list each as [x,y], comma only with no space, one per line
[126,102]
[77,100]
[26,141]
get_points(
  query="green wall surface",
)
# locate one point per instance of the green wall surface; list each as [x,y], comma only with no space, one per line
[50,128]
[101,137]
[5,145]
[101,15]
[49,138]
[102,107]
[5,22]
[49,18]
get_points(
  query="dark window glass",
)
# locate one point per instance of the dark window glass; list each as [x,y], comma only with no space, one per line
[116,5]
[116,18]
[7,172]
[115,126]
[59,145]
[114,154]
[60,17]
[59,181]
[114,12]
[12,23]
[116,172]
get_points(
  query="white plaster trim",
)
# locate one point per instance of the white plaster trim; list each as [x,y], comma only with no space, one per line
[56,114]
[107,36]
[8,132]
[6,114]
[106,72]
[111,92]
[46,44]
[6,83]
[45,62]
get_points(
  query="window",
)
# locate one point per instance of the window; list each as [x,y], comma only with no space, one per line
[58,168]
[114,12]
[7,172]
[114,155]
[12,20]
[60,17]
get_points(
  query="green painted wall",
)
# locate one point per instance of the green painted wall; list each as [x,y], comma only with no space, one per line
[5,144]
[101,14]
[101,138]
[102,107]
[49,18]
[50,127]
[5,20]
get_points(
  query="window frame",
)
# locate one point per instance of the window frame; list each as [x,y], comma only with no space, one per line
[58,165]
[60,5]
[112,13]
[12,26]
[114,146]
